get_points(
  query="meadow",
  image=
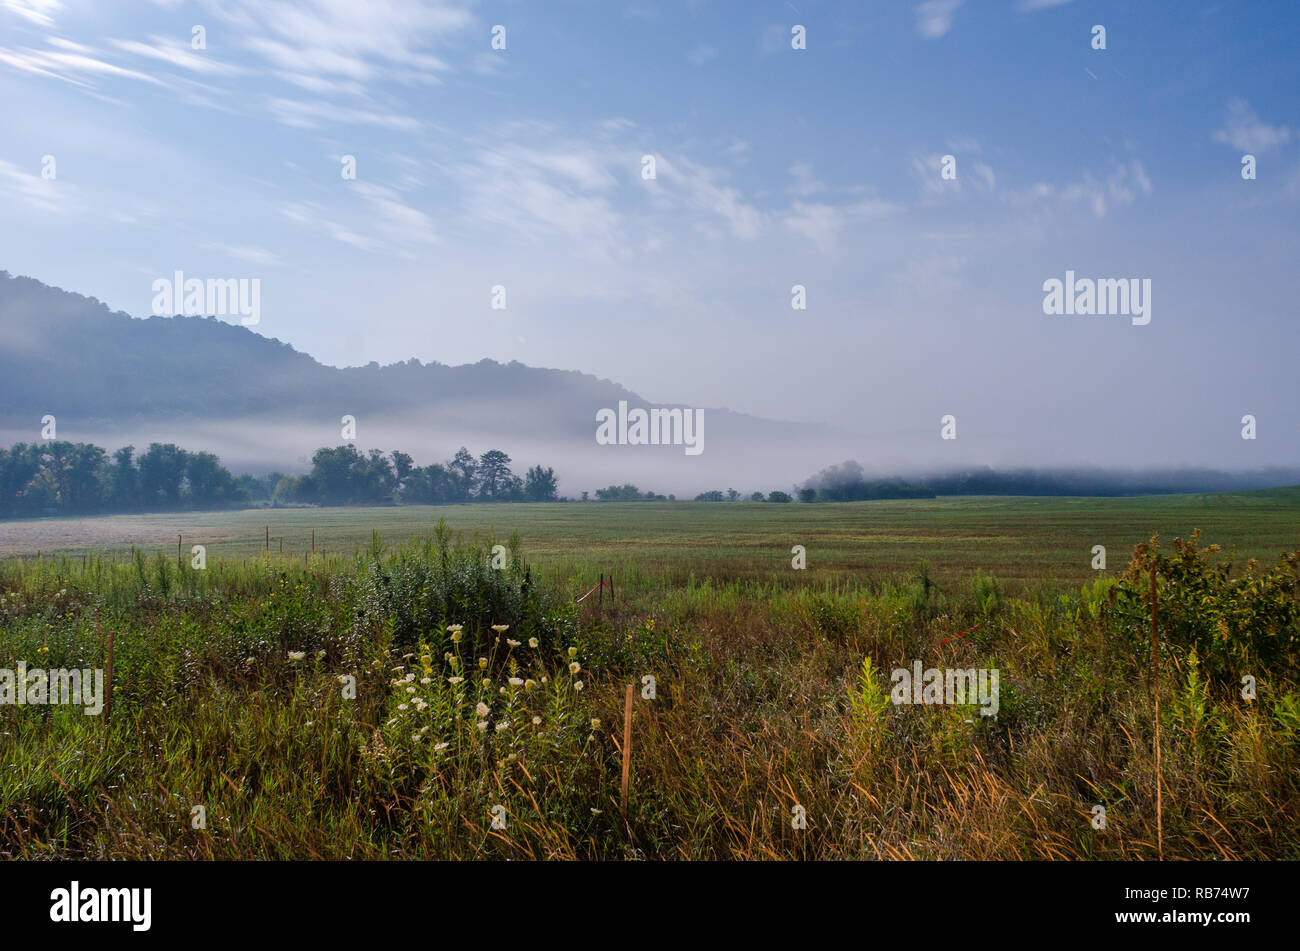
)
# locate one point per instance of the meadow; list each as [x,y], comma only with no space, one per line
[397,696]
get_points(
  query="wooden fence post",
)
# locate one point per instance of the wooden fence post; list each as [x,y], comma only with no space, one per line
[627,745]
[108,680]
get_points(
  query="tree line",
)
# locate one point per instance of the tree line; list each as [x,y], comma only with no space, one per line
[345,476]
[67,478]
[60,477]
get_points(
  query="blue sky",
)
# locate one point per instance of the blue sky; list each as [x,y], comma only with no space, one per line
[775,166]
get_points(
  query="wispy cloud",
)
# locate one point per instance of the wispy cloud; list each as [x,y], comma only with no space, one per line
[70,62]
[934,17]
[35,11]
[1247,132]
[43,195]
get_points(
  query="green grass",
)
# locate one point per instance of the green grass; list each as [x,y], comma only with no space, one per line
[1020,540]
[772,683]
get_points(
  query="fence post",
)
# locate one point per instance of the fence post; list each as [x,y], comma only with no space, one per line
[627,745]
[108,680]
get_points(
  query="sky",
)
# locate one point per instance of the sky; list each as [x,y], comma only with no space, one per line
[774,166]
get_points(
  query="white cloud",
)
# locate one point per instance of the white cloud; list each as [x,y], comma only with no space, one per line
[934,17]
[312,115]
[43,195]
[1245,131]
[244,252]
[70,62]
[35,11]
[175,53]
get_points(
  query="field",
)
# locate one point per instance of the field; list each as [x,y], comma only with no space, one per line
[360,703]
[1019,540]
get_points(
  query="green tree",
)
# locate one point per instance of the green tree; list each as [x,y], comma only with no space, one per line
[539,486]
[494,475]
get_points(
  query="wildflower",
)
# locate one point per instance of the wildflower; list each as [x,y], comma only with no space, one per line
[401,706]
[421,705]
[455,628]
[410,690]
[595,811]
[482,724]
[455,680]
[532,642]
[487,682]
[500,628]
[546,680]
[595,723]
[482,663]
[512,643]
[442,746]
[503,726]
[426,660]
[426,680]
[410,677]
[501,690]
[575,667]
[448,655]
[516,681]
[320,654]
[577,685]
[529,684]
[573,652]
[482,709]
[537,721]
[297,655]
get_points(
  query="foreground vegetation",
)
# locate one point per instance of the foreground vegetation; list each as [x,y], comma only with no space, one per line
[392,702]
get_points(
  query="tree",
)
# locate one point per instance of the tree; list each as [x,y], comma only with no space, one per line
[777,495]
[162,467]
[539,486]
[210,481]
[402,465]
[332,476]
[756,497]
[465,471]
[494,475]
[807,495]
[125,488]
[713,495]
[732,495]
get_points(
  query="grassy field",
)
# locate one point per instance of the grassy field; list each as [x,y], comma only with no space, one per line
[361,704]
[1020,540]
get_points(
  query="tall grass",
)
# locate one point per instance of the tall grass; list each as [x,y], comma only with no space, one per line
[396,702]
